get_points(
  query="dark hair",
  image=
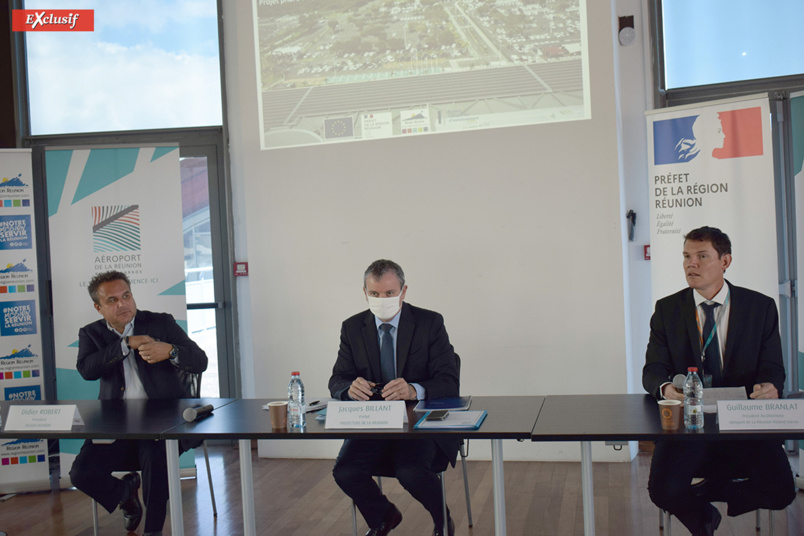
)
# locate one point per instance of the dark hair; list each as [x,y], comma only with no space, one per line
[105,277]
[719,240]
[379,268]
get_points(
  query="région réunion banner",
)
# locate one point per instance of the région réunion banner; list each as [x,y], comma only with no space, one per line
[23,462]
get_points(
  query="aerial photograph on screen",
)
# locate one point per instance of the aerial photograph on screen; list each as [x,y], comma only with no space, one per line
[350,70]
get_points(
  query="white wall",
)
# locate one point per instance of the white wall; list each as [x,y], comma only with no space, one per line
[515,235]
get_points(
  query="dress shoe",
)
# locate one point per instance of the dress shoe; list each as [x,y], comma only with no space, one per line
[130,505]
[392,519]
[439,530]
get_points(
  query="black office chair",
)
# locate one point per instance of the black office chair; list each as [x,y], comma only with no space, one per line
[440,467]
[192,389]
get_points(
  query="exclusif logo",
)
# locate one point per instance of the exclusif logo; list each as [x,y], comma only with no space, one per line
[53,20]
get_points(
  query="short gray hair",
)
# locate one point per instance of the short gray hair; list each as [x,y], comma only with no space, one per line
[105,277]
[380,267]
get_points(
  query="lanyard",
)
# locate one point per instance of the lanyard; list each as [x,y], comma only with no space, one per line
[717,319]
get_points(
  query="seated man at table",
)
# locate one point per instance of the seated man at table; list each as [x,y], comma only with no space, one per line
[134,354]
[732,335]
[405,351]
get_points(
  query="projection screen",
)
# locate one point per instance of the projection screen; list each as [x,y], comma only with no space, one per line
[332,71]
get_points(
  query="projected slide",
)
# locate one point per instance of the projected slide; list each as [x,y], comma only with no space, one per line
[332,71]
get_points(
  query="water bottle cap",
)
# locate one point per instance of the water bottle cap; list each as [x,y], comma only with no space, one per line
[692,369]
[296,373]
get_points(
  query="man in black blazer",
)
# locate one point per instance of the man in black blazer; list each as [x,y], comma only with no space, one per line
[747,353]
[134,354]
[425,367]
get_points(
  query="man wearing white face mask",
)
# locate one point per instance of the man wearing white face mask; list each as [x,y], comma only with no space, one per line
[398,352]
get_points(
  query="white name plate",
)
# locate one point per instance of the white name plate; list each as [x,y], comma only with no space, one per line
[368,414]
[51,418]
[749,414]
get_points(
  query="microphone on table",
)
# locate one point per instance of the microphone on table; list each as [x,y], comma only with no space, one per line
[198,412]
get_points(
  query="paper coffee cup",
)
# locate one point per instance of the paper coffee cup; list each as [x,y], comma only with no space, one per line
[670,412]
[279,413]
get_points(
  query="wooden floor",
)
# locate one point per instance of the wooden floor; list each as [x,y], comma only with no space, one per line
[299,497]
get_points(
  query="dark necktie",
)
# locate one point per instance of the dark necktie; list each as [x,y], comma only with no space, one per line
[712,354]
[387,366]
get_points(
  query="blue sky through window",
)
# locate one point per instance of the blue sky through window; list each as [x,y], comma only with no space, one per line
[716,41]
[148,64]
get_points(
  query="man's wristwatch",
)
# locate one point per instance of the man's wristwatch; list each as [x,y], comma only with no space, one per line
[127,343]
[174,353]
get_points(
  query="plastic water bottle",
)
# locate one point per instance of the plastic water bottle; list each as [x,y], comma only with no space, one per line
[296,415]
[693,400]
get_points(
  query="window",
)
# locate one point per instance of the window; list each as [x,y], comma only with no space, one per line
[720,41]
[149,64]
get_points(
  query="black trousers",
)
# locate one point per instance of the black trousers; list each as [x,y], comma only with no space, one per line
[409,461]
[763,464]
[93,467]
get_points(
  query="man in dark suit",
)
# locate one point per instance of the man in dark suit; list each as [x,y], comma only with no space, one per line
[732,335]
[403,353]
[134,354]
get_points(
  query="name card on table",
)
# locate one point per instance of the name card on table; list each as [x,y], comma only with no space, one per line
[368,414]
[50,418]
[760,414]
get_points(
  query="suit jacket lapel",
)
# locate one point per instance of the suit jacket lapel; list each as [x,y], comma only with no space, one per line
[404,337]
[688,313]
[737,326]
[372,346]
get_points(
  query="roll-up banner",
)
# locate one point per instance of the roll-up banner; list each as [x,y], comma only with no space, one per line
[797,128]
[110,209]
[23,462]
[712,164]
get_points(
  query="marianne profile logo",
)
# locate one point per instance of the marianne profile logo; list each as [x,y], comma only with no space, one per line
[720,135]
[53,20]
[116,228]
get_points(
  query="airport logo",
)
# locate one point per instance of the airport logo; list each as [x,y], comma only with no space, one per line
[116,228]
[53,20]
[15,232]
[720,135]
